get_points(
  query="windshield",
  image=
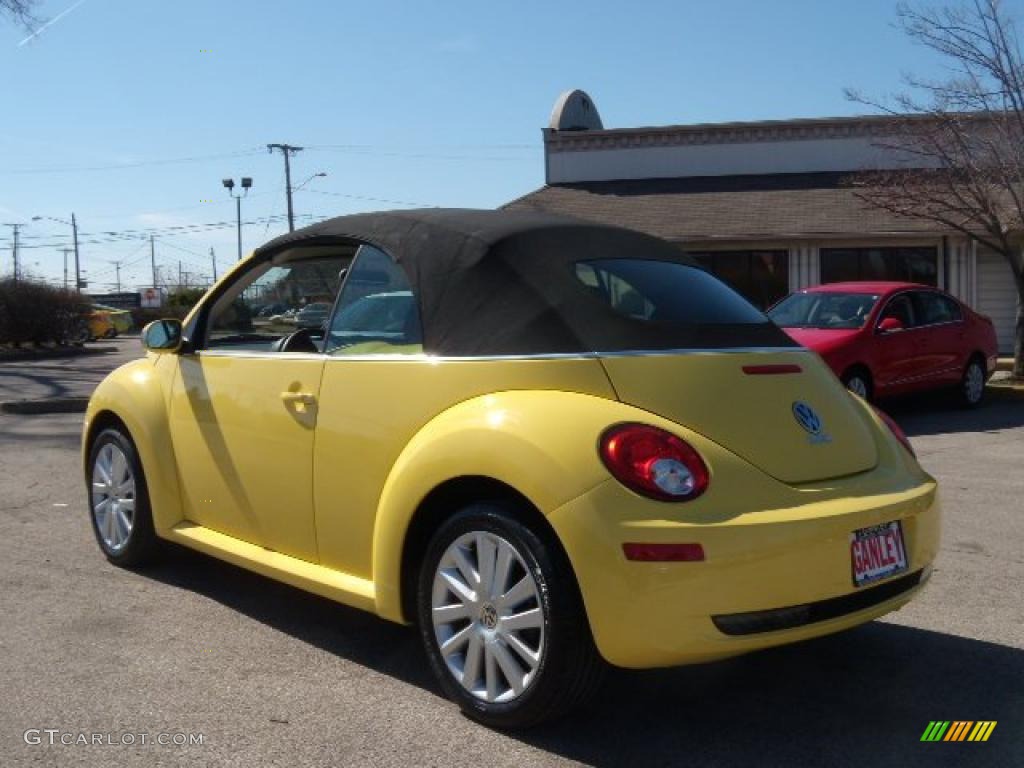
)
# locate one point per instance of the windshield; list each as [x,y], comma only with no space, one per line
[823,310]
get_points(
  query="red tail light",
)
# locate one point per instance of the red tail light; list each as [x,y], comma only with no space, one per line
[895,429]
[653,462]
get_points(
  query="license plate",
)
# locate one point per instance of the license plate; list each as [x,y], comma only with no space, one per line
[877,553]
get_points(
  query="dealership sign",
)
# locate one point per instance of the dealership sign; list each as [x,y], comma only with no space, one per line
[151,298]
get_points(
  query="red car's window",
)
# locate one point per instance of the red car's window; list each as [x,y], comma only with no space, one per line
[819,309]
[934,308]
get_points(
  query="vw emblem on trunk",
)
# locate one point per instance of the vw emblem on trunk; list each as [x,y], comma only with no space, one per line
[806,417]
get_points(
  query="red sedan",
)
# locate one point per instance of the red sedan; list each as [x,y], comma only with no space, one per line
[886,338]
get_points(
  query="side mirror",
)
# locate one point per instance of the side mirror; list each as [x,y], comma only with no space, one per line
[890,324]
[162,336]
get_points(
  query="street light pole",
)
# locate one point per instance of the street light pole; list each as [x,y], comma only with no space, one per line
[238,213]
[229,185]
[78,268]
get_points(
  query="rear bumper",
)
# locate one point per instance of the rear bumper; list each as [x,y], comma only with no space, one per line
[769,577]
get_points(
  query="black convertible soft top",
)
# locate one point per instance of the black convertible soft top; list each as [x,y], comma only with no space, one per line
[506,282]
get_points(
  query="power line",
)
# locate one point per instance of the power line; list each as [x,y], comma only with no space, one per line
[138,164]
[370,199]
[129,235]
[352,150]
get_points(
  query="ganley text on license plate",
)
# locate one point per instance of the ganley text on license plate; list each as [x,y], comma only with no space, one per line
[877,552]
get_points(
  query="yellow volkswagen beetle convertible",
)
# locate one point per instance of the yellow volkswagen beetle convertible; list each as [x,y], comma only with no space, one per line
[549,444]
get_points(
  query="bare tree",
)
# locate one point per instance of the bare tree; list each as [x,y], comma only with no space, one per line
[962,137]
[21,12]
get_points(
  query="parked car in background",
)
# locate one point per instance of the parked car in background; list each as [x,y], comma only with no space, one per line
[313,315]
[99,324]
[888,338]
[120,318]
[548,443]
[271,309]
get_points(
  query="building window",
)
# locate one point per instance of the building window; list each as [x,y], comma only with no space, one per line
[912,265]
[762,277]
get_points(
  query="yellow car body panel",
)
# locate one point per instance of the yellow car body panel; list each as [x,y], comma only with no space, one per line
[486,432]
[243,429]
[767,546]
[137,394]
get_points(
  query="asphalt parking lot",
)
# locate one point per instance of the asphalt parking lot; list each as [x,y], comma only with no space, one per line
[269,675]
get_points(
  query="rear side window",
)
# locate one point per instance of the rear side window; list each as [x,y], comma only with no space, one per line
[377,313]
[665,293]
[934,308]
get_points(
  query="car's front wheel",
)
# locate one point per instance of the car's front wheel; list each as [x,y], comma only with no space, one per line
[119,501]
[502,620]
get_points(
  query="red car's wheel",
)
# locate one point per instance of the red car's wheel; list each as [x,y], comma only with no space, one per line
[972,385]
[858,381]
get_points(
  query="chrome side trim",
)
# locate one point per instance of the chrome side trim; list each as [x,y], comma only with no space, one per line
[256,355]
[425,358]
[722,351]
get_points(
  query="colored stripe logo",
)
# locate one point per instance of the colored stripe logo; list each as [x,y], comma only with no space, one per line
[958,730]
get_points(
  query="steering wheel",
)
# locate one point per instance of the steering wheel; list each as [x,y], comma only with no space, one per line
[298,341]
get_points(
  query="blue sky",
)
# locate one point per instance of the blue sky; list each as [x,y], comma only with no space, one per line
[129,113]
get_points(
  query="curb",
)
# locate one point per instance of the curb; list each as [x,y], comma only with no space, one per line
[25,355]
[47,405]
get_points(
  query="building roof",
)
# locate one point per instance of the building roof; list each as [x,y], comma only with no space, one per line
[730,132]
[726,207]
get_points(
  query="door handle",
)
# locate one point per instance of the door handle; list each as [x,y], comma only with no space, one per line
[298,398]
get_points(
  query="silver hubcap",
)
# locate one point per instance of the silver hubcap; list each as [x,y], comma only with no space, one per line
[858,386]
[974,383]
[487,616]
[113,496]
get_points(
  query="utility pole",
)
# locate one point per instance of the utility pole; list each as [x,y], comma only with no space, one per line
[66,252]
[179,276]
[117,268]
[152,259]
[78,269]
[14,250]
[213,258]
[287,150]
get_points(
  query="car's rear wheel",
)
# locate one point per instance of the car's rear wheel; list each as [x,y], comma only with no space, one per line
[502,621]
[972,384]
[858,381]
[119,502]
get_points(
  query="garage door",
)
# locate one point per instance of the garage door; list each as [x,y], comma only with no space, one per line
[997,297]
